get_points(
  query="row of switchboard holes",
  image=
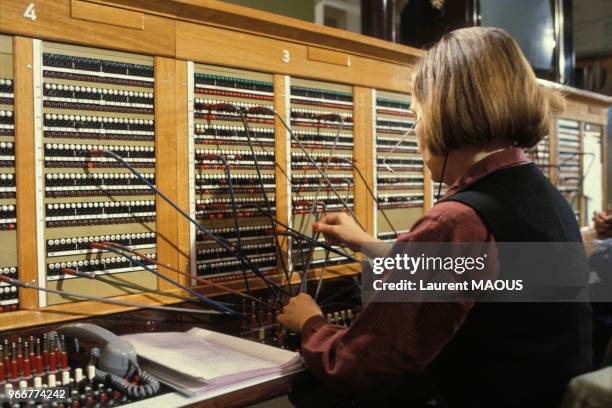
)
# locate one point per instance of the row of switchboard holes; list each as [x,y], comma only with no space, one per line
[6,117]
[94,265]
[65,125]
[208,130]
[267,248]
[7,211]
[105,207]
[248,231]
[7,149]
[231,115]
[86,179]
[410,200]
[233,266]
[95,184]
[222,207]
[323,94]
[83,243]
[237,83]
[97,65]
[337,161]
[92,93]
[99,213]
[7,180]
[6,85]
[77,150]
[9,293]
[387,144]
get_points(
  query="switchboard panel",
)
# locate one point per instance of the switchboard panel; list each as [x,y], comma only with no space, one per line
[399,166]
[9,295]
[321,120]
[569,161]
[221,98]
[95,100]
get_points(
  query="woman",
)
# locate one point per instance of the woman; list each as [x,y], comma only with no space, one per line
[478,106]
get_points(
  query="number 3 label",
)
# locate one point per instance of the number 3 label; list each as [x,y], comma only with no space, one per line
[286,57]
[30,12]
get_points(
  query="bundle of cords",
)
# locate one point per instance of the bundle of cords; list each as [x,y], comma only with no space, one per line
[146,387]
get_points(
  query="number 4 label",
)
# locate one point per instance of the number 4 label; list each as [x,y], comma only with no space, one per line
[30,12]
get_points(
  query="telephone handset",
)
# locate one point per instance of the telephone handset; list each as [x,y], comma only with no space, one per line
[118,360]
[118,356]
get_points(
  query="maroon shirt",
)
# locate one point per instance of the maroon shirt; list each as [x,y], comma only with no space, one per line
[387,340]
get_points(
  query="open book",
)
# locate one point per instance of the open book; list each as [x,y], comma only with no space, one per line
[199,360]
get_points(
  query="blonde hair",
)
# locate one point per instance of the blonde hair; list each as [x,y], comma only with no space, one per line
[475,86]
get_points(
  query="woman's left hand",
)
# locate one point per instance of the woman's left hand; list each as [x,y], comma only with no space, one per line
[603,224]
[299,309]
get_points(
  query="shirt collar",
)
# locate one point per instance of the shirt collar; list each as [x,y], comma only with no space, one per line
[512,156]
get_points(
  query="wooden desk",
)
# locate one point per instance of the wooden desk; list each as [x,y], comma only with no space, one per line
[157,321]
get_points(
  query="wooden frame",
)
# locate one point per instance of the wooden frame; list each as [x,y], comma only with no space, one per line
[282,155]
[175,32]
[362,139]
[25,164]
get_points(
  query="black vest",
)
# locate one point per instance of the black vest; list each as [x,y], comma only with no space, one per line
[516,354]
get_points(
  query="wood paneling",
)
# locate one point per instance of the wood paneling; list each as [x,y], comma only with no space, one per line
[121,323]
[230,16]
[273,25]
[281,158]
[370,161]
[75,310]
[83,10]
[331,57]
[182,171]
[362,132]
[583,110]
[54,22]
[264,54]
[554,152]
[166,165]
[25,163]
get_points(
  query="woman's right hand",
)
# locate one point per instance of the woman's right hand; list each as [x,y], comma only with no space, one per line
[340,228]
